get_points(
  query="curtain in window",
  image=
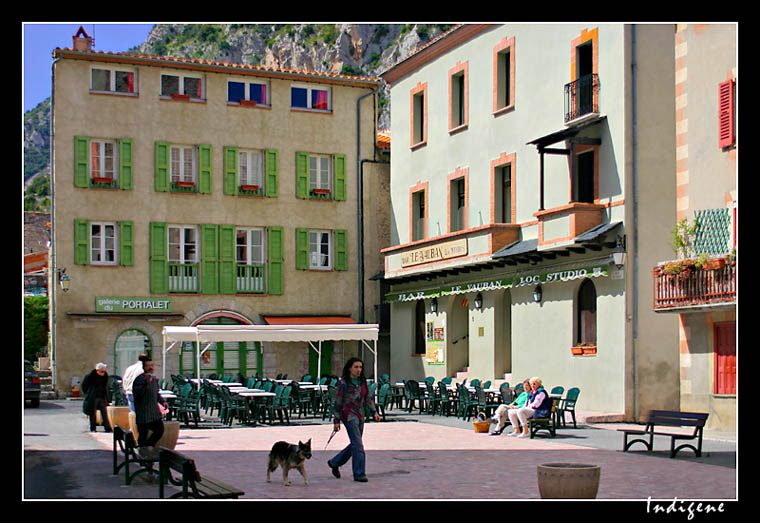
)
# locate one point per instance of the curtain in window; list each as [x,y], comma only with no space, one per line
[258,93]
[319,100]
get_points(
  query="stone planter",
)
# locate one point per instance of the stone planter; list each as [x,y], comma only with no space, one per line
[568,481]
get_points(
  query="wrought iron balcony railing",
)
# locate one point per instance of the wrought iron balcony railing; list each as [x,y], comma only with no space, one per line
[694,287]
[582,97]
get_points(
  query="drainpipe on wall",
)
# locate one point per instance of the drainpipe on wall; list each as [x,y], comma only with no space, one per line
[634,173]
[53,262]
[360,203]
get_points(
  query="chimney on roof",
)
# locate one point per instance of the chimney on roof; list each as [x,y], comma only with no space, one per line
[82,41]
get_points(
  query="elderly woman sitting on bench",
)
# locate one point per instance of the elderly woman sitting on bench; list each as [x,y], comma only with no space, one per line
[539,406]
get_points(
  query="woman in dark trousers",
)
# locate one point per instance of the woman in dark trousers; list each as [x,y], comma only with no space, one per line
[96,396]
[352,395]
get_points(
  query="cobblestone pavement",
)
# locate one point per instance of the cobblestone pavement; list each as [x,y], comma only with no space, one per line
[409,457]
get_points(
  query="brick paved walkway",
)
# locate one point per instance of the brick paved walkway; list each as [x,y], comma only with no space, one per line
[415,460]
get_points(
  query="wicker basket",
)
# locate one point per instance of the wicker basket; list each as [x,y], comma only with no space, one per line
[481,426]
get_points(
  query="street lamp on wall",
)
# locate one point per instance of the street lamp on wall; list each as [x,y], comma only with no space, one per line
[434,305]
[479,301]
[63,279]
[537,294]
[618,253]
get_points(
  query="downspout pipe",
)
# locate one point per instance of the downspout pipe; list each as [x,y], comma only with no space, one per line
[53,262]
[360,203]
[635,199]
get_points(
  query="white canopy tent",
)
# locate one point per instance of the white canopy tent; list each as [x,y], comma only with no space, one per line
[207,334]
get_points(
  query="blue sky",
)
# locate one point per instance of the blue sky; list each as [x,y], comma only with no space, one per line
[39,41]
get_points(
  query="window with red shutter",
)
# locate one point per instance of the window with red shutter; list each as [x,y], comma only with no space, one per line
[726,114]
[725,357]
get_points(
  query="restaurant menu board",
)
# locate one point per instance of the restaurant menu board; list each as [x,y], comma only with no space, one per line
[435,345]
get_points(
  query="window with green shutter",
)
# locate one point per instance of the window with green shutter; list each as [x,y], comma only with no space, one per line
[302,249]
[205,177]
[275,265]
[227,269]
[341,250]
[103,163]
[103,243]
[161,174]
[320,176]
[159,260]
[230,176]
[210,258]
[272,168]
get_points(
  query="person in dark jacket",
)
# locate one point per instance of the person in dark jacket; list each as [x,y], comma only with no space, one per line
[96,396]
[352,395]
[150,425]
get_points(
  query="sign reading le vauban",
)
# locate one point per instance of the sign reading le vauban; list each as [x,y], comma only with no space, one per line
[501,283]
[132,304]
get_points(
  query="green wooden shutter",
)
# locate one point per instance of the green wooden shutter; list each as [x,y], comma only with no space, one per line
[159,260]
[227,272]
[126,243]
[230,181]
[81,161]
[302,249]
[204,169]
[82,242]
[341,250]
[162,166]
[125,164]
[302,175]
[275,265]
[339,164]
[272,170]
[210,259]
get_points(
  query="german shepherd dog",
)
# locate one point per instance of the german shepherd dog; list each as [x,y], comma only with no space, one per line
[289,456]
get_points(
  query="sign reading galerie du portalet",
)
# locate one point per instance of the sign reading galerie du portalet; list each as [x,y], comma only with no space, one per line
[132,304]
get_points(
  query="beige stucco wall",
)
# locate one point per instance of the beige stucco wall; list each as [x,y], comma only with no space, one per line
[146,119]
[631,362]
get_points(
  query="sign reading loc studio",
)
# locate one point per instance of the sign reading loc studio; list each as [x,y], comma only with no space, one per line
[132,304]
[501,283]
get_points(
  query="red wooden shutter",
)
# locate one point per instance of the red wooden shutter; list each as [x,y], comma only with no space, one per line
[726,113]
[725,358]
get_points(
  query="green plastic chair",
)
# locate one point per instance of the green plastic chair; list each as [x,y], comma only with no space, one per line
[557,391]
[447,401]
[567,404]
[383,398]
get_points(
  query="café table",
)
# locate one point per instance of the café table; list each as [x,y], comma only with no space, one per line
[256,401]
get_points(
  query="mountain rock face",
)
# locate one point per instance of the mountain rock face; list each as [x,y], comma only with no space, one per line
[351,49]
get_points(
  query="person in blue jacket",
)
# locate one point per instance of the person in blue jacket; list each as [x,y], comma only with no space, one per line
[539,406]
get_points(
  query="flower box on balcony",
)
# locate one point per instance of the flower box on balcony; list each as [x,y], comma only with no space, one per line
[321,191]
[185,184]
[250,187]
[101,179]
[248,103]
[714,264]
[181,97]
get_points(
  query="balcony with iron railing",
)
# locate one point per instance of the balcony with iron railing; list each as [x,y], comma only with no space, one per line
[705,276]
[582,98]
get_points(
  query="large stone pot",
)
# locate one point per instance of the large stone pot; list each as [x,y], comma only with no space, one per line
[568,481]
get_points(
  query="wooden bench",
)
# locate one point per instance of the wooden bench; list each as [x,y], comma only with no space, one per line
[193,485]
[668,418]
[124,443]
[549,423]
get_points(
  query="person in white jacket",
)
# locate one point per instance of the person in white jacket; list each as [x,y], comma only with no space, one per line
[128,379]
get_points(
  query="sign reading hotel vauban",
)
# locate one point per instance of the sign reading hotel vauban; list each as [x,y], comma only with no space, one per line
[132,304]
[441,251]
[501,283]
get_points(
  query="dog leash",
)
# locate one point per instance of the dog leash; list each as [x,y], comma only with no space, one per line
[334,432]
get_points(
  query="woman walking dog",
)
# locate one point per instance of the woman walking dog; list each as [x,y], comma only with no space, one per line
[352,395]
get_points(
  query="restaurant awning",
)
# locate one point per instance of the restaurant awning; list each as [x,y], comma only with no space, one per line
[310,333]
[308,320]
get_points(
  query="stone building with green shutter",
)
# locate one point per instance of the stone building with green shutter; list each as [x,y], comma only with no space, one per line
[190,192]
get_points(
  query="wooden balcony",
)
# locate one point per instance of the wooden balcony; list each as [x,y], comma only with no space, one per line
[694,288]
